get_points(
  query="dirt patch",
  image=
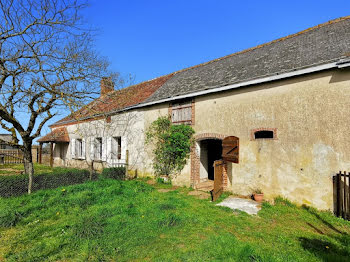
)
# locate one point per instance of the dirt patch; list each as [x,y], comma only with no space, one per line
[199,194]
[165,190]
[151,182]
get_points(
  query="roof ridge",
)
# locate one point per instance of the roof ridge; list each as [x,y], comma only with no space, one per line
[114,92]
[134,85]
[339,19]
[336,20]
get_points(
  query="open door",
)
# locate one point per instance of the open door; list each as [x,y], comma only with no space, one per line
[230,153]
[218,179]
[230,149]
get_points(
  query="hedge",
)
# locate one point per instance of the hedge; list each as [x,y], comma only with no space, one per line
[18,185]
[114,173]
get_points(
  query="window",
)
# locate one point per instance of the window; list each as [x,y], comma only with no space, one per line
[79,148]
[264,134]
[116,147]
[62,151]
[181,112]
[98,148]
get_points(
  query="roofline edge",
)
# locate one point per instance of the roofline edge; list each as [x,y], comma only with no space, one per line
[242,84]
[299,72]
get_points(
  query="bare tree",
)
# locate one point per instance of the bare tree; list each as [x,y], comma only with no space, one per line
[47,62]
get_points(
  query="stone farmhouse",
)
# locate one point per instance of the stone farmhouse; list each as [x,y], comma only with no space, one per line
[4,140]
[286,101]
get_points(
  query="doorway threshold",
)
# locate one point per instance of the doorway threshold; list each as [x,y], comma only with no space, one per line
[207,185]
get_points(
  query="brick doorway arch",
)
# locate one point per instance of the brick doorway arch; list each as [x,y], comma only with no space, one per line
[196,161]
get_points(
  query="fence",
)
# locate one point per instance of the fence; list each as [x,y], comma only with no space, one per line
[341,182]
[10,156]
[15,156]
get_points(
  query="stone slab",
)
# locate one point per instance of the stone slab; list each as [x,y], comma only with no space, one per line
[246,205]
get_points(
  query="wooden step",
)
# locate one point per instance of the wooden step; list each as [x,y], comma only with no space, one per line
[205,185]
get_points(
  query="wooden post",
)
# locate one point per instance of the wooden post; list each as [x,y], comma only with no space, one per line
[348,196]
[51,154]
[40,152]
[345,197]
[338,193]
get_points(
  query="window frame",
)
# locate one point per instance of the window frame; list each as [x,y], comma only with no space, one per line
[98,149]
[253,131]
[179,106]
[79,148]
[117,146]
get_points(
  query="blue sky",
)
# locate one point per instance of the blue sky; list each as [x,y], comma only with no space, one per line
[152,38]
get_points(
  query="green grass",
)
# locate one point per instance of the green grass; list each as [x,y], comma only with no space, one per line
[110,220]
[39,169]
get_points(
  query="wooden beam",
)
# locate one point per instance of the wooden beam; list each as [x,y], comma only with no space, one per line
[40,152]
[51,154]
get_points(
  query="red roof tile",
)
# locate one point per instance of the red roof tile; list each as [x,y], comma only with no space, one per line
[116,100]
[56,135]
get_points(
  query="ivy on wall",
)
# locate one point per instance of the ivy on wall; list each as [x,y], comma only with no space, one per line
[172,146]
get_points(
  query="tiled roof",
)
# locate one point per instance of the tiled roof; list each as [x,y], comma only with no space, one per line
[56,135]
[319,45]
[117,100]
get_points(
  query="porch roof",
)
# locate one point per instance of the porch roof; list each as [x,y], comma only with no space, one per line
[58,135]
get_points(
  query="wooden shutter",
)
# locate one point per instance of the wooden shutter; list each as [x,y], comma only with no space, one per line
[123,147]
[230,149]
[92,148]
[182,112]
[77,148]
[104,149]
[109,148]
[83,147]
[72,147]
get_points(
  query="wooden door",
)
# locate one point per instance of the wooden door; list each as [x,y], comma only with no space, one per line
[230,149]
[218,179]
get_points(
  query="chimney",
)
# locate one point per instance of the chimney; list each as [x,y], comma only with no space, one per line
[107,85]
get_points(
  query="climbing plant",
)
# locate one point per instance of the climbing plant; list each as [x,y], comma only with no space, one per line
[171,146]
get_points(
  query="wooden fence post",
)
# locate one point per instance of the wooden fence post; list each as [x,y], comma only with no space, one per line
[348,197]
[338,193]
[345,197]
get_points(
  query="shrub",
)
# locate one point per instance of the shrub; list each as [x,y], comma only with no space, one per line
[114,173]
[172,146]
[17,185]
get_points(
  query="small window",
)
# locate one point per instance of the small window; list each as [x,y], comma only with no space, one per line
[98,148]
[181,112]
[79,148]
[116,147]
[263,134]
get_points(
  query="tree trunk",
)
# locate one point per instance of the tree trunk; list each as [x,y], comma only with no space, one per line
[92,171]
[28,164]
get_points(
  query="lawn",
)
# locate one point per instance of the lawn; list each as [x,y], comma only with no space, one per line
[110,220]
[16,169]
